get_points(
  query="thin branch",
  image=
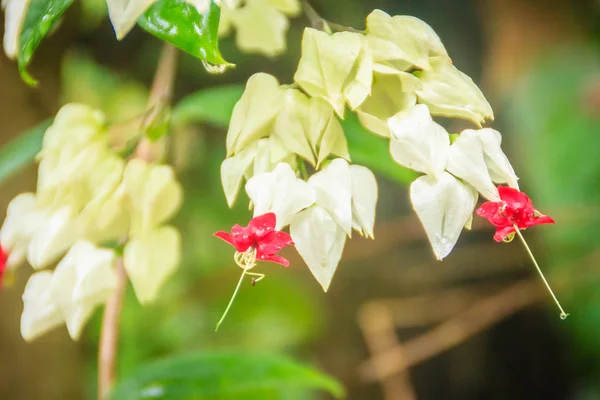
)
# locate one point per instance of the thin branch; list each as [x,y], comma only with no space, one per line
[109,337]
[160,96]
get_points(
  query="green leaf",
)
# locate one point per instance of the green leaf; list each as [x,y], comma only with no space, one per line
[179,23]
[42,16]
[220,375]
[19,152]
[215,106]
[374,152]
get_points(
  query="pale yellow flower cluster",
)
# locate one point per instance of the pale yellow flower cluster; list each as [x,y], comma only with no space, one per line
[260,25]
[89,202]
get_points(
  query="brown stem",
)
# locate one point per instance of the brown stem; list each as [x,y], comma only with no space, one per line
[109,337]
[160,95]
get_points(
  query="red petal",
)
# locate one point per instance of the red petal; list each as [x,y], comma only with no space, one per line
[274,258]
[493,211]
[3,259]
[262,224]
[272,242]
[501,233]
[242,238]
[543,219]
[515,199]
[225,236]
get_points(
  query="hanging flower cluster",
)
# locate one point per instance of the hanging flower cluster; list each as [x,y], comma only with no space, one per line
[261,25]
[396,75]
[90,205]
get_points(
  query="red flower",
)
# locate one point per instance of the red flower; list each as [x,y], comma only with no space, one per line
[260,234]
[514,210]
[3,259]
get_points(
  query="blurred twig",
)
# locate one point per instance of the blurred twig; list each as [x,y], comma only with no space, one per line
[459,327]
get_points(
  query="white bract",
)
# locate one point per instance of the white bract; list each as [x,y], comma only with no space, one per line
[81,282]
[261,24]
[14,16]
[444,203]
[321,212]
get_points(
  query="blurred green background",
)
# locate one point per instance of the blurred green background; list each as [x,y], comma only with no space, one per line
[538,63]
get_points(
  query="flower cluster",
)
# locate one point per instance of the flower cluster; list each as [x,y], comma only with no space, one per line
[397,70]
[90,203]
[261,25]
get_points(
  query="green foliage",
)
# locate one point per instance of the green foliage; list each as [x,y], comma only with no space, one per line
[555,115]
[179,23]
[217,375]
[215,106]
[42,16]
[19,152]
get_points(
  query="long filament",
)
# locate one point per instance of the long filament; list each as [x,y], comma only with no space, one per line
[563,314]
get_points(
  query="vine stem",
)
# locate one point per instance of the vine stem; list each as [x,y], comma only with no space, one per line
[321,23]
[160,95]
[563,314]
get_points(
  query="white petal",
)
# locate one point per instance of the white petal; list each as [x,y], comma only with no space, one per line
[232,171]
[21,223]
[14,14]
[280,192]
[467,162]
[124,14]
[333,186]
[418,142]
[83,280]
[40,314]
[150,258]
[53,237]
[443,206]
[320,241]
[497,163]
[364,199]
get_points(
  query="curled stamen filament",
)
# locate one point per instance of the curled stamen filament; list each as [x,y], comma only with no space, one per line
[245,260]
[563,314]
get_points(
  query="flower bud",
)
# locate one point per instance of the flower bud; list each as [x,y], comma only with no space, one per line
[450,93]
[403,41]
[337,68]
[15,12]
[150,258]
[254,113]
[154,194]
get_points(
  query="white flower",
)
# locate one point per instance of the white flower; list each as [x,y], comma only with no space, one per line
[23,219]
[320,241]
[150,258]
[333,186]
[443,203]
[280,192]
[40,313]
[364,199]
[154,194]
[83,280]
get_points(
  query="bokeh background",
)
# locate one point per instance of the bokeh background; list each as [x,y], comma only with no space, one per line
[395,324]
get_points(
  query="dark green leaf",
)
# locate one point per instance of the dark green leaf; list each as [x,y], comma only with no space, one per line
[179,23]
[21,151]
[214,375]
[42,16]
